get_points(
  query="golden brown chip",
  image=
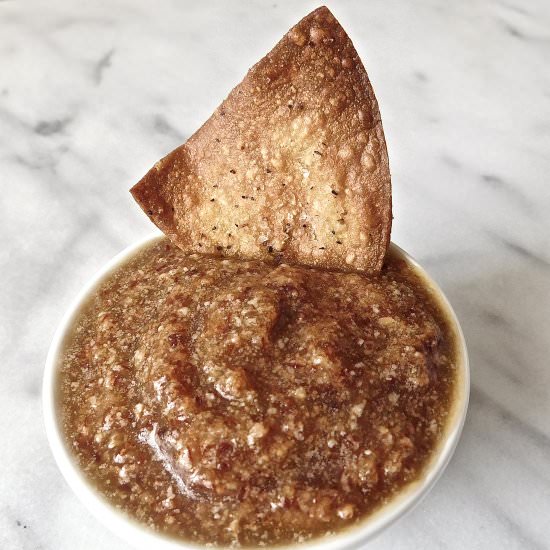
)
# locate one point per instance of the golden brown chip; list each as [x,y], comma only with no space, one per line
[292,165]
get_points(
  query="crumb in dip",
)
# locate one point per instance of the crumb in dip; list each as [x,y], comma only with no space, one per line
[248,404]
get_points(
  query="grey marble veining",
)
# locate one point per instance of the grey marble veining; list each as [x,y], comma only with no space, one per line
[91,94]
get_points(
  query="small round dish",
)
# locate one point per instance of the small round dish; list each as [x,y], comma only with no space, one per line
[141,536]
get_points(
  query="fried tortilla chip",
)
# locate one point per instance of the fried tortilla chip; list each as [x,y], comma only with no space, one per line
[292,165]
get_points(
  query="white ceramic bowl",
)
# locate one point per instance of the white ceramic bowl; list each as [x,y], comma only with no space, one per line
[143,537]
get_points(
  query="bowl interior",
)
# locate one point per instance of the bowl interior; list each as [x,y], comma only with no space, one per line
[142,537]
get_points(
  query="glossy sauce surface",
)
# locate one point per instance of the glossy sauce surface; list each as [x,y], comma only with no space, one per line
[245,403]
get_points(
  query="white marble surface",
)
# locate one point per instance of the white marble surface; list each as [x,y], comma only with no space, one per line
[92,93]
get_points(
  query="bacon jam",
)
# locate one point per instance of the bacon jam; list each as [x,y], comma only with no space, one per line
[244,403]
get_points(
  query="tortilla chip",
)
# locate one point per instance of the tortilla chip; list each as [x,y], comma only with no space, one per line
[292,165]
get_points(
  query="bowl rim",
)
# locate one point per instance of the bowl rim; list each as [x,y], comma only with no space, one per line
[141,536]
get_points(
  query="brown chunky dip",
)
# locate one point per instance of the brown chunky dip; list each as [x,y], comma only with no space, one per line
[246,403]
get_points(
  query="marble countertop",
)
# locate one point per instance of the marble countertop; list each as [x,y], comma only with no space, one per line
[92,94]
